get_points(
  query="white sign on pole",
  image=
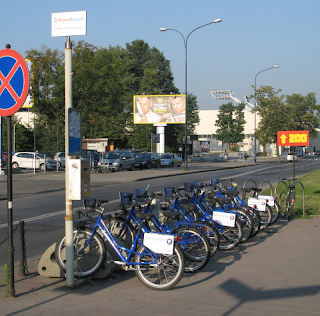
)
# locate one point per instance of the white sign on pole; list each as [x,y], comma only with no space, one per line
[259,205]
[69,23]
[224,218]
[159,243]
[268,198]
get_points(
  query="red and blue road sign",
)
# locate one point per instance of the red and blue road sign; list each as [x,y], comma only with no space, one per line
[14,82]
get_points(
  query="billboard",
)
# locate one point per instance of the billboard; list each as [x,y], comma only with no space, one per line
[200,147]
[28,102]
[151,109]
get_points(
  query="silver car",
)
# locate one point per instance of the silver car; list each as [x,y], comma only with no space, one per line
[117,161]
[170,160]
[61,158]
[288,157]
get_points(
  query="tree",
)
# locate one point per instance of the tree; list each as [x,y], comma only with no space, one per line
[279,113]
[230,123]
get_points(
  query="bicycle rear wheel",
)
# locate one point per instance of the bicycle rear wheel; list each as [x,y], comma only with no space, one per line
[256,220]
[195,246]
[88,261]
[161,276]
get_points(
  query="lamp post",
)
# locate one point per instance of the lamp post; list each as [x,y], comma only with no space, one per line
[14,134]
[255,110]
[185,40]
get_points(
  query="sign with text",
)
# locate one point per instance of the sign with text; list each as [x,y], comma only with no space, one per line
[259,205]
[293,138]
[224,218]
[69,23]
[159,243]
[153,109]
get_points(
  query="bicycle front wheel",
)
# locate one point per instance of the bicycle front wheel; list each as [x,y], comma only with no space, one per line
[266,217]
[275,212]
[230,236]
[195,246]
[87,261]
[163,275]
[212,233]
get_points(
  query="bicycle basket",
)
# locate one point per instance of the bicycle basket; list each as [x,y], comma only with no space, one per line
[126,198]
[198,185]
[89,204]
[188,187]
[140,195]
[168,191]
[214,182]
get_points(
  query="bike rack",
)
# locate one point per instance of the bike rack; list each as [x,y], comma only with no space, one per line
[303,197]
[260,187]
[255,183]
[303,194]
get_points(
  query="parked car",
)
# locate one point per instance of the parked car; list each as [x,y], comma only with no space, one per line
[170,160]
[317,152]
[117,160]
[147,160]
[61,158]
[91,155]
[29,160]
[288,157]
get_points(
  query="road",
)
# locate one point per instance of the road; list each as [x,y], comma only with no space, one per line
[39,199]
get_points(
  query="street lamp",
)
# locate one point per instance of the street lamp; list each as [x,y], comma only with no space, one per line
[163,29]
[255,110]
[14,134]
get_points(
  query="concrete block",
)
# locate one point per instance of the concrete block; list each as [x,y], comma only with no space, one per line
[48,266]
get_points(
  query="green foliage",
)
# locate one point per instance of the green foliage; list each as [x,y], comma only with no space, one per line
[280,113]
[5,273]
[104,83]
[230,123]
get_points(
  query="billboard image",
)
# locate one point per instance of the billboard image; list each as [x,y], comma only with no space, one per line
[200,147]
[151,109]
[29,102]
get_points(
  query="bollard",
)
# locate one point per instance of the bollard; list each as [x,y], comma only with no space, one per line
[22,268]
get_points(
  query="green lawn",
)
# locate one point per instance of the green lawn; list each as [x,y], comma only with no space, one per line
[311,184]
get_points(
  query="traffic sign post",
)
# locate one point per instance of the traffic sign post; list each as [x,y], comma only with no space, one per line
[14,87]
[293,139]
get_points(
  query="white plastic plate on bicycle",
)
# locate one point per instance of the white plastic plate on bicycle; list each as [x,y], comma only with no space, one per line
[269,199]
[159,243]
[224,218]
[257,204]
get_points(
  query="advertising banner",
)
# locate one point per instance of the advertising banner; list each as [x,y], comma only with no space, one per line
[69,23]
[293,138]
[151,109]
[28,102]
[200,147]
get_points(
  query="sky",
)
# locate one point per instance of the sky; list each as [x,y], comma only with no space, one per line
[254,35]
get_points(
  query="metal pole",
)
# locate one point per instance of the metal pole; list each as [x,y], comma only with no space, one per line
[22,268]
[10,250]
[255,111]
[0,145]
[186,85]
[69,212]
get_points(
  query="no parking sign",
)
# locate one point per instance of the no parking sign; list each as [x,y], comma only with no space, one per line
[14,82]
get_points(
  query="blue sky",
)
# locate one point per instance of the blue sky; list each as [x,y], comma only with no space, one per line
[253,35]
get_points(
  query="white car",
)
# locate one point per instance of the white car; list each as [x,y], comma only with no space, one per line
[61,158]
[288,157]
[29,160]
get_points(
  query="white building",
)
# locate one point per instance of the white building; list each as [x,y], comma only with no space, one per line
[207,127]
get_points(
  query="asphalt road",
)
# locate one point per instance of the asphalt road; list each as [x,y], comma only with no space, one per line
[39,199]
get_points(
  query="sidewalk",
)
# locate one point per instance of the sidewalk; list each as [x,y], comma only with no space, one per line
[275,273]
